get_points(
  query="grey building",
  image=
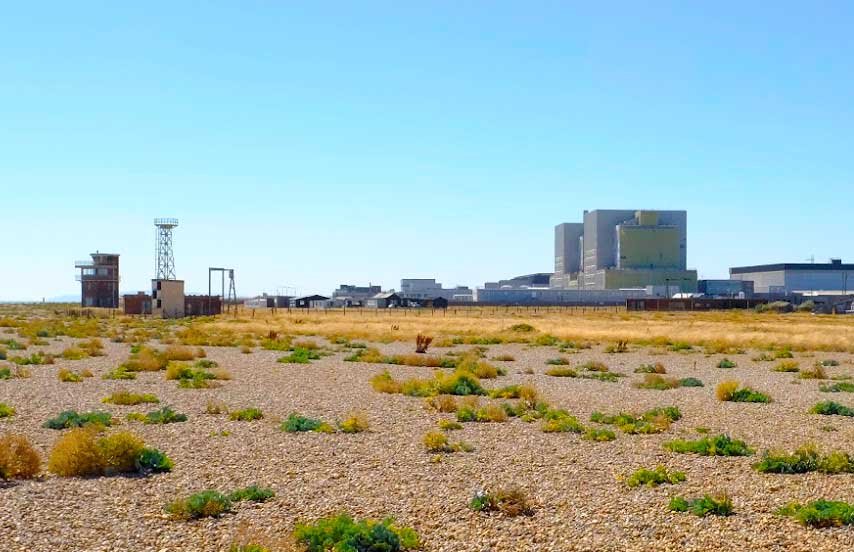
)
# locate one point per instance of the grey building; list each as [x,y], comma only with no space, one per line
[726,288]
[553,296]
[622,249]
[536,280]
[384,300]
[788,278]
[349,295]
[429,288]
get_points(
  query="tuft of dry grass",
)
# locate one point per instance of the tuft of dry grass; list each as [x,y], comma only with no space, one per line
[18,458]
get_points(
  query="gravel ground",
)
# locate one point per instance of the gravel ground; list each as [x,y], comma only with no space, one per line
[580,503]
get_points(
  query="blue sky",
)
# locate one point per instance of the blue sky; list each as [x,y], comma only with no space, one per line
[313,144]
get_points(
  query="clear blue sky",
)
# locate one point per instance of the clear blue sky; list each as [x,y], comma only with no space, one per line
[318,143]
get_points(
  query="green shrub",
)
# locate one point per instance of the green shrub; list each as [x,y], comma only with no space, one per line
[522,328]
[805,459]
[253,493]
[246,415]
[343,534]
[119,373]
[356,423]
[726,363]
[488,413]
[208,503]
[5,373]
[151,460]
[459,383]
[560,421]
[70,419]
[81,453]
[300,356]
[705,506]
[654,477]
[829,362]
[546,340]
[33,359]
[660,383]
[448,425]
[820,513]
[560,361]
[720,445]
[787,366]
[512,501]
[656,368]
[164,415]
[838,387]
[690,382]
[730,391]
[655,420]
[830,408]
[125,397]
[562,372]
[595,434]
[296,424]
[817,372]
[6,410]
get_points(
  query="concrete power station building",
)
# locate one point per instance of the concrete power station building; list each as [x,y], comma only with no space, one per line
[623,249]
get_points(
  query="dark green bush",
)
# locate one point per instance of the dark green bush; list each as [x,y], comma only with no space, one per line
[654,477]
[705,506]
[726,363]
[343,534]
[720,445]
[830,408]
[838,387]
[208,503]
[253,493]
[560,361]
[805,459]
[164,415]
[296,423]
[820,513]
[70,418]
[151,460]
[300,356]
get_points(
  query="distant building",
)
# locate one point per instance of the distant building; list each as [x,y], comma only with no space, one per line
[554,296]
[788,278]
[429,288]
[268,302]
[623,249]
[354,296]
[202,305]
[384,300]
[306,301]
[167,298]
[725,288]
[536,280]
[139,303]
[99,281]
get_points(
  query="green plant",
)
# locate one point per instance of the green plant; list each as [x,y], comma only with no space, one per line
[164,415]
[829,362]
[820,513]
[448,425]
[560,361]
[356,423]
[656,368]
[5,373]
[436,442]
[511,501]
[562,372]
[120,373]
[253,493]
[787,366]
[730,391]
[726,363]
[6,411]
[720,445]
[707,505]
[18,458]
[596,434]
[655,477]
[560,421]
[68,376]
[296,424]
[838,387]
[660,383]
[125,397]
[655,420]
[300,355]
[690,382]
[343,534]
[817,372]
[488,413]
[80,452]
[208,503]
[71,419]
[805,459]
[246,415]
[150,460]
[830,408]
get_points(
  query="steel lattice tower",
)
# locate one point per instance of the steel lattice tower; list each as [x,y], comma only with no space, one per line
[164,267]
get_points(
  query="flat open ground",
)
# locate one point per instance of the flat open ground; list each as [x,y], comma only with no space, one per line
[580,502]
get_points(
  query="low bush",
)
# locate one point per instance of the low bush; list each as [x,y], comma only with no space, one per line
[511,501]
[295,423]
[161,416]
[34,359]
[74,353]
[125,397]
[448,425]
[300,355]
[344,534]
[562,372]
[435,441]
[68,376]
[208,503]
[652,421]
[215,406]
[488,413]
[80,452]
[787,366]
[246,415]
[177,352]
[522,328]
[829,362]
[442,403]
[803,460]
[70,419]
[560,421]
[838,387]
[820,513]
[720,445]
[657,368]
[654,477]
[707,505]
[618,347]
[253,493]
[730,391]
[357,422]
[6,411]
[830,408]
[504,358]
[120,373]
[596,434]
[560,361]
[726,363]
[18,458]
[660,383]
[817,372]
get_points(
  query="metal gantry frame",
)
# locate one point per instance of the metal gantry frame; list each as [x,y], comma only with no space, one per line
[232,290]
[164,264]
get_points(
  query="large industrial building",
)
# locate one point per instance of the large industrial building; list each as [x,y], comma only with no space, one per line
[429,288]
[623,249]
[99,280]
[788,278]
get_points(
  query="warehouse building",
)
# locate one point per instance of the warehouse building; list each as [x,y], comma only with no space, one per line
[429,288]
[788,278]
[623,249]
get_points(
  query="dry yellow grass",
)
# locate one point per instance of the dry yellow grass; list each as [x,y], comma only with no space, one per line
[717,331]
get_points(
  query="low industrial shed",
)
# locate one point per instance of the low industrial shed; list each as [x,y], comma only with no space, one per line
[305,302]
